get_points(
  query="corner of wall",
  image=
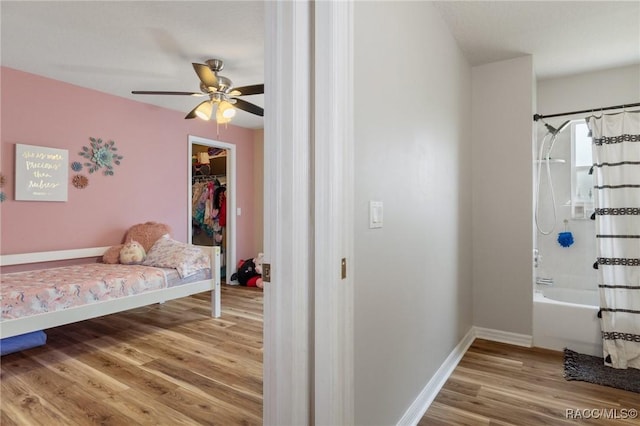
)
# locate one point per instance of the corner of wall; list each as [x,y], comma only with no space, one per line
[502,110]
[421,404]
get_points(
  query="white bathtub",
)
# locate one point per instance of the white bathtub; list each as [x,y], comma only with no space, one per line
[566,318]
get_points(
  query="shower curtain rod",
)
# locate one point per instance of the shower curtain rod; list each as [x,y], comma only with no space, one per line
[537,117]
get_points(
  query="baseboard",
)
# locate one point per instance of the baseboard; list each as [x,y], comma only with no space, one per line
[421,404]
[503,336]
[415,412]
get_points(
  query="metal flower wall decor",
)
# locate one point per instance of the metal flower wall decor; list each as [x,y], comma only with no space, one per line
[101,155]
[80,181]
[76,166]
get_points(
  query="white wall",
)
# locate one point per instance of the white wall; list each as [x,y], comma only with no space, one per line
[567,266]
[412,291]
[589,90]
[502,110]
[572,266]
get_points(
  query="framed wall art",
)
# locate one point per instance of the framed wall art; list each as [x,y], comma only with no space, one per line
[41,173]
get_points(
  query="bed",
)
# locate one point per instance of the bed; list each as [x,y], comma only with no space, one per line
[46,298]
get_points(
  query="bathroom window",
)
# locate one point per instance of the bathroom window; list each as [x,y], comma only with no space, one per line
[581,179]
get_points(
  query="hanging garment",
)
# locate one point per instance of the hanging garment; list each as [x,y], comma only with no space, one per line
[616,156]
[207,215]
[220,203]
[222,217]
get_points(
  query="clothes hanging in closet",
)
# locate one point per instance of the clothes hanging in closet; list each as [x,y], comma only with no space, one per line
[209,209]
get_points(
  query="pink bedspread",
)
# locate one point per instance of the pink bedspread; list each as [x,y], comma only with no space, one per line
[34,292]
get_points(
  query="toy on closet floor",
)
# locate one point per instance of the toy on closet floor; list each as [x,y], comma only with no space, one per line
[250,272]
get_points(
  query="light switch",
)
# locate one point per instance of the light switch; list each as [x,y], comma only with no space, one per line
[238,211]
[375,214]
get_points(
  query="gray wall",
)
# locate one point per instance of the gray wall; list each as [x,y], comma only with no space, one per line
[589,90]
[502,110]
[412,151]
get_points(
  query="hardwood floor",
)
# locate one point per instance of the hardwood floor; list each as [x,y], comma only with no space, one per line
[499,384]
[172,364]
[169,364]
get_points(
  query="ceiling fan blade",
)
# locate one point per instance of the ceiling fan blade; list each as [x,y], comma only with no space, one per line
[206,76]
[151,92]
[192,113]
[249,107]
[256,89]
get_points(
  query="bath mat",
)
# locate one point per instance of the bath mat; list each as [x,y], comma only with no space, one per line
[591,369]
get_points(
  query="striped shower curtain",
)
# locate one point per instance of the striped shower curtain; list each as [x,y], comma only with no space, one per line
[616,156]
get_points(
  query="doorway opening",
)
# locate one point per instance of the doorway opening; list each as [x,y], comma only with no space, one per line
[212,198]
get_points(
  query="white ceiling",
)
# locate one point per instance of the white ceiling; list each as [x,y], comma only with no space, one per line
[564,37]
[116,47]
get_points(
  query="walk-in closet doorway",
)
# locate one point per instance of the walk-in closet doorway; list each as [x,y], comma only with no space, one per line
[217,175]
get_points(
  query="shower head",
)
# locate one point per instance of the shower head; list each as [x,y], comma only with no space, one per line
[555,131]
[554,135]
[563,125]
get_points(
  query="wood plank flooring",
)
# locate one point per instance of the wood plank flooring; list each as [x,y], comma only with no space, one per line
[168,364]
[172,364]
[499,384]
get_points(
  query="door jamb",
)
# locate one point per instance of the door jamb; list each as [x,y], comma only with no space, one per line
[288,350]
[333,139]
[230,228]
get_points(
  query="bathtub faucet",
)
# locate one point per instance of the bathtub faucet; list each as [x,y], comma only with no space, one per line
[544,281]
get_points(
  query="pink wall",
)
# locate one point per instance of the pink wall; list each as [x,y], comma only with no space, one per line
[150,184]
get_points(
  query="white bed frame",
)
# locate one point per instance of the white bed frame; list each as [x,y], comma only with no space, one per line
[14,327]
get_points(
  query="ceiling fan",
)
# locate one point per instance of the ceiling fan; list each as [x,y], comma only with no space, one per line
[222,95]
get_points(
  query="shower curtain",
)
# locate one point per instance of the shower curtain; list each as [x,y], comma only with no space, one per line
[616,156]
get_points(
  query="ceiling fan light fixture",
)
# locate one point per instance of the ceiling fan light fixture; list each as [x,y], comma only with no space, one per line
[204,110]
[226,110]
[220,118]
[223,96]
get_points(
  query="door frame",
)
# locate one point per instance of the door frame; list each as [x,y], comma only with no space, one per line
[288,351]
[333,155]
[308,307]
[230,228]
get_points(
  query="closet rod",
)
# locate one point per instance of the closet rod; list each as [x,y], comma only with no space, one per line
[537,117]
[207,177]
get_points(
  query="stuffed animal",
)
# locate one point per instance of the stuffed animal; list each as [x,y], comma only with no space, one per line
[250,272]
[132,253]
[258,262]
[146,234]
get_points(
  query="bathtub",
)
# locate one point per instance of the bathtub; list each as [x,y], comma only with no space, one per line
[566,318]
